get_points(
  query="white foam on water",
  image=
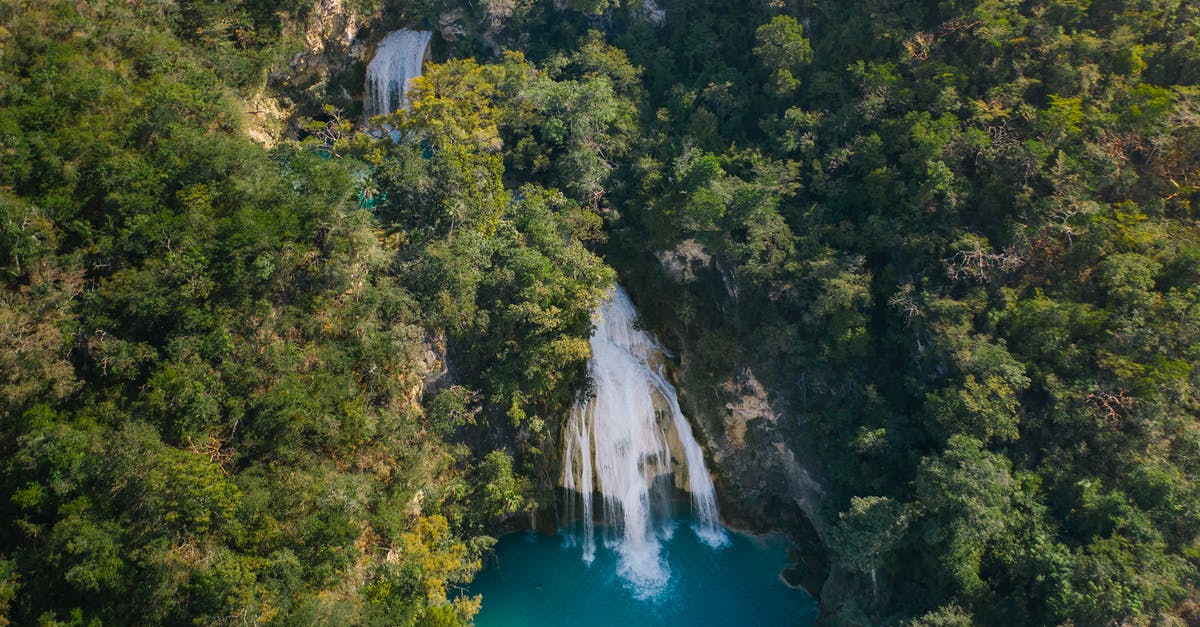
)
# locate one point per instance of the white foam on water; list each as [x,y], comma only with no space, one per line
[397,61]
[617,443]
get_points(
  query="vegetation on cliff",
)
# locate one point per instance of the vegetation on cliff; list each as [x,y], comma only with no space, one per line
[957,240]
[223,388]
[961,240]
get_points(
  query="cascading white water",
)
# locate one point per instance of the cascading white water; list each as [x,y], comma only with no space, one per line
[398,60]
[620,439]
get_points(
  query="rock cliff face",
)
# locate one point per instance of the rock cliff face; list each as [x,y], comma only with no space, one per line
[755,443]
[328,66]
[753,439]
[761,478]
[330,47]
[755,455]
[330,39]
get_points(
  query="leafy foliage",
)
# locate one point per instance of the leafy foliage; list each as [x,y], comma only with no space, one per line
[299,385]
[225,384]
[961,239]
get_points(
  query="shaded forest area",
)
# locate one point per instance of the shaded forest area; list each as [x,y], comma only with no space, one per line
[302,384]
[224,387]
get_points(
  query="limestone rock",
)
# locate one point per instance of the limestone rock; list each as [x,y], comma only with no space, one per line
[753,456]
[651,12]
[450,25]
[326,69]
[265,119]
[685,261]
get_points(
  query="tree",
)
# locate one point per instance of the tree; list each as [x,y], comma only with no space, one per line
[782,48]
[571,122]
[499,492]
[964,496]
[868,532]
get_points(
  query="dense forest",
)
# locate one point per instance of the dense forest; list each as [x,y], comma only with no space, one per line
[308,382]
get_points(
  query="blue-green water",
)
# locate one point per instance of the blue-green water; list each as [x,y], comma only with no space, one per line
[541,580]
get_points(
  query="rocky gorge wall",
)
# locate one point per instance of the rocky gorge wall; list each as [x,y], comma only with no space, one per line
[754,436]
[329,47]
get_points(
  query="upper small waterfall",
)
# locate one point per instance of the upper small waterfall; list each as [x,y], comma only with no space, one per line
[623,437]
[398,60]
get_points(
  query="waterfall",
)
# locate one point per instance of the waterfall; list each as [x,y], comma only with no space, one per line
[624,441]
[398,59]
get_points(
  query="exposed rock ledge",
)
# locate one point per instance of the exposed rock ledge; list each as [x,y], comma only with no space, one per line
[331,45]
[762,483]
[754,442]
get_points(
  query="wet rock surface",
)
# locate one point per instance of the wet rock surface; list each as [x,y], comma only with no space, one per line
[761,481]
[753,437]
